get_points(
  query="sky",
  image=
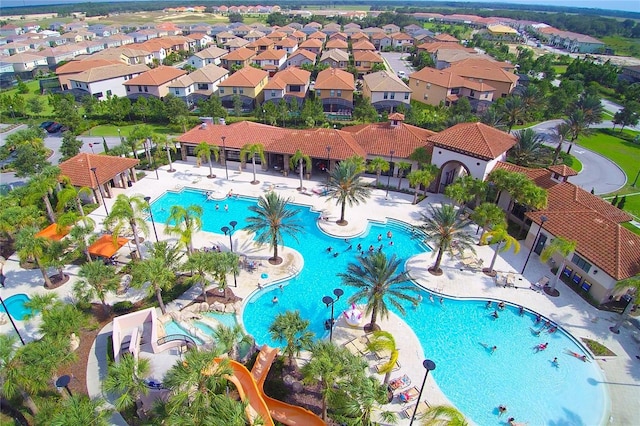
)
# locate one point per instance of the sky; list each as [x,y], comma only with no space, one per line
[625,5]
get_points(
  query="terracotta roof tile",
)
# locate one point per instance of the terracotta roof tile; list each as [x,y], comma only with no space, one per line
[484,72]
[245,77]
[313,142]
[541,177]
[319,35]
[563,170]
[446,38]
[366,56]
[381,138]
[333,78]
[73,67]
[156,77]
[270,54]
[236,135]
[287,42]
[447,78]
[312,42]
[241,54]
[365,45]
[291,75]
[336,44]
[385,81]
[475,139]
[359,36]
[78,168]
[261,42]
[108,72]
[309,55]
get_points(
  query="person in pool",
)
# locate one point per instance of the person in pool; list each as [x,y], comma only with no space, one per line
[389,234]
[489,304]
[495,315]
[329,249]
[555,362]
[371,248]
[538,318]
[274,300]
[541,347]
[521,310]
[501,305]
[359,247]
[501,409]
[379,237]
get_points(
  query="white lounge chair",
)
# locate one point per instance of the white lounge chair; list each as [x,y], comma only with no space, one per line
[540,284]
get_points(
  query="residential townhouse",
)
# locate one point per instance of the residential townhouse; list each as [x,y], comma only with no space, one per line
[242,30]
[253,35]
[16,47]
[200,84]
[105,81]
[208,56]
[75,67]
[262,44]
[335,87]
[301,57]
[335,58]
[401,41]
[355,37]
[362,45]
[318,35]
[201,40]
[381,40]
[289,45]
[238,58]
[365,60]
[488,72]
[411,28]
[271,60]
[339,36]
[55,55]
[128,55]
[91,47]
[25,62]
[391,28]
[352,25]
[386,91]
[248,84]
[299,36]
[235,44]
[312,45]
[370,31]
[155,48]
[277,36]
[336,44]
[11,30]
[118,40]
[223,36]
[289,84]
[154,82]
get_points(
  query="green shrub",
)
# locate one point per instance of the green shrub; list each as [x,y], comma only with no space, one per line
[122,307]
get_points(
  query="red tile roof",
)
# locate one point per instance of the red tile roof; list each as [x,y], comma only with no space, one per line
[541,177]
[312,42]
[381,138]
[334,78]
[475,139]
[245,77]
[72,67]
[313,142]
[309,55]
[237,134]
[336,44]
[78,168]
[365,45]
[240,54]
[156,77]
[563,170]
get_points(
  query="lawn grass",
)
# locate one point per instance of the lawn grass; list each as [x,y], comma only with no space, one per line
[622,152]
[112,130]
[623,46]
[559,69]
[34,92]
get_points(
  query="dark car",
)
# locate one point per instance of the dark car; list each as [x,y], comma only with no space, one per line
[54,128]
[46,124]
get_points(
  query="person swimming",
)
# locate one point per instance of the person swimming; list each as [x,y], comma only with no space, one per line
[441,300]
[431,298]
[495,314]
[488,347]
[389,234]
[371,248]
[336,254]
[379,237]
[521,310]
[538,318]
[541,347]
[581,357]
[329,249]
[534,331]
[555,362]
[501,409]
[359,247]
[489,304]
[501,305]
[552,329]
[274,300]
[350,247]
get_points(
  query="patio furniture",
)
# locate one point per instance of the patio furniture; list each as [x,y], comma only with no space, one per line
[358,346]
[399,383]
[511,280]
[539,285]
[422,408]
[408,395]
[396,367]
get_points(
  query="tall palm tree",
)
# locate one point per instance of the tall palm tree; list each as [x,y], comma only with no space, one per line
[591,104]
[289,327]
[383,341]
[378,283]
[205,151]
[127,212]
[626,285]
[224,263]
[578,126]
[170,254]
[33,248]
[80,410]
[347,187]
[422,177]
[378,165]
[184,222]
[70,195]
[81,235]
[98,280]
[532,99]
[527,148]
[402,167]
[558,246]
[55,256]
[126,378]
[272,221]
[487,215]
[229,338]
[59,319]
[200,263]
[459,194]
[157,274]
[41,187]
[250,150]
[302,160]
[444,229]
[443,415]
[513,111]
[357,398]
[499,236]
[560,133]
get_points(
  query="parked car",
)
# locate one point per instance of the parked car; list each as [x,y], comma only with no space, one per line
[401,74]
[54,128]
[46,124]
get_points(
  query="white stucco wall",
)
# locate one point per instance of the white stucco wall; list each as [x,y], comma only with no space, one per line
[399,96]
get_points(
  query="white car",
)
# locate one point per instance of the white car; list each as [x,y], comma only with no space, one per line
[401,74]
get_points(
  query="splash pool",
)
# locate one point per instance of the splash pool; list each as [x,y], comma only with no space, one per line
[15,306]
[451,334]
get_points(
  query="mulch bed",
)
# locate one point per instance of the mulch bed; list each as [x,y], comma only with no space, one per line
[56,281]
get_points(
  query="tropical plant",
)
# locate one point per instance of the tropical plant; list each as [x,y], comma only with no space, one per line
[443,415]
[290,328]
[402,167]
[378,283]
[98,280]
[591,105]
[41,187]
[458,193]
[302,161]
[487,215]
[170,254]
[126,378]
[157,274]
[378,165]
[383,341]
[445,229]
[55,256]
[200,263]
[127,212]
[355,400]
[272,221]
[81,235]
[250,150]
[204,151]
[59,319]
[527,148]
[224,263]
[560,133]
[80,410]
[631,284]
[513,111]
[228,337]
[422,177]
[558,246]
[184,222]
[346,186]
[499,236]
[70,195]
[33,248]
[578,126]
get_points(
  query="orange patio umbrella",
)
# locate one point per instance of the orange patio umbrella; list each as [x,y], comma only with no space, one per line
[51,232]
[106,247]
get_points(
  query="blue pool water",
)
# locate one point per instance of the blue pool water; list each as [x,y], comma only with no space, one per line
[450,334]
[15,305]
[171,327]
[227,319]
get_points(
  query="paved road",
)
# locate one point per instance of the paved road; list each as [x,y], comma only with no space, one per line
[397,63]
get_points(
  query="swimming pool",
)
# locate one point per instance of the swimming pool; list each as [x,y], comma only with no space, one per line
[15,305]
[450,334]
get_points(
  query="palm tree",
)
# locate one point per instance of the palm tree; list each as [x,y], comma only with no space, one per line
[33,248]
[289,327]
[272,221]
[487,215]
[98,280]
[354,401]
[126,378]
[632,283]
[444,229]
[527,148]
[81,235]
[170,254]
[499,235]
[200,263]
[250,150]
[59,319]
[560,133]
[591,105]
[223,264]
[184,222]
[383,341]
[558,246]
[513,111]
[402,166]
[578,126]
[346,186]
[156,273]
[378,284]
[443,415]
[68,195]
[128,212]
[229,338]
[299,158]
[80,410]
[55,256]
[532,98]
[422,177]
[458,193]
[41,187]
[205,151]
[378,165]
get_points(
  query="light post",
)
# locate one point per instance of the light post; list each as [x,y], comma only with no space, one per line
[390,173]
[224,157]
[95,174]
[229,231]
[429,366]
[12,323]
[328,162]
[91,146]
[119,135]
[330,301]
[543,219]
[171,169]
[12,114]
[153,223]
[63,382]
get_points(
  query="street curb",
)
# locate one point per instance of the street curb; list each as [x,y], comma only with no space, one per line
[626,178]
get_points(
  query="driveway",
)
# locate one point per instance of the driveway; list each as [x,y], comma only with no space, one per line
[397,63]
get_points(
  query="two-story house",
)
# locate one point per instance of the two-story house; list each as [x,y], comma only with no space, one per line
[200,84]
[335,58]
[318,35]
[235,43]
[23,62]
[271,60]
[154,82]
[487,72]
[247,84]
[401,41]
[105,81]
[337,43]
[365,60]
[301,57]
[72,68]
[208,56]
[335,87]
[289,45]
[253,35]
[262,44]
[385,91]
[289,84]
[381,40]
[312,45]
[362,45]
[239,58]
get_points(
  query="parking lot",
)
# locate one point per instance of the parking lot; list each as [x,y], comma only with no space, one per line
[397,62]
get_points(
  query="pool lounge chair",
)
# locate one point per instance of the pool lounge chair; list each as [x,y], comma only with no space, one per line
[399,383]
[511,280]
[408,395]
[422,408]
[358,346]
[396,367]
[540,284]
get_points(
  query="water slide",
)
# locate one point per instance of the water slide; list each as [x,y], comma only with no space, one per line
[250,385]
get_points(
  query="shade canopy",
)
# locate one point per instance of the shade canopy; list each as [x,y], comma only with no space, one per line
[52,232]
[106,246]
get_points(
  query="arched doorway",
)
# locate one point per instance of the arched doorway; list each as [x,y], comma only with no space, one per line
[449,173]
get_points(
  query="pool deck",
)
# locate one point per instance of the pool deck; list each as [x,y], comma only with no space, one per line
[568,310]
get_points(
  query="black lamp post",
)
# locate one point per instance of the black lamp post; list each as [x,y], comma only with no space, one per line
[224,157]
[330,301]
[429,366]
[95,174]
[120,135]
[147,199]
[91,146]
[63,382]
[390,172]
[229,231]
[12,323]
[543,219]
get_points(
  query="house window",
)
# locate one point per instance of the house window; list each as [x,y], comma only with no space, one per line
[358,63]
[203,86]
[332,93]
[393,95]
[426,96]
[241,91]
[428,85]
[146,88]
[273,93]
[221,91]
[177,92]
[235,90]
[581,263]
[386,95]
[455,91]
[128,88]
[318,92]
[406,96]
[295,89]
[339,93]
[139,88]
